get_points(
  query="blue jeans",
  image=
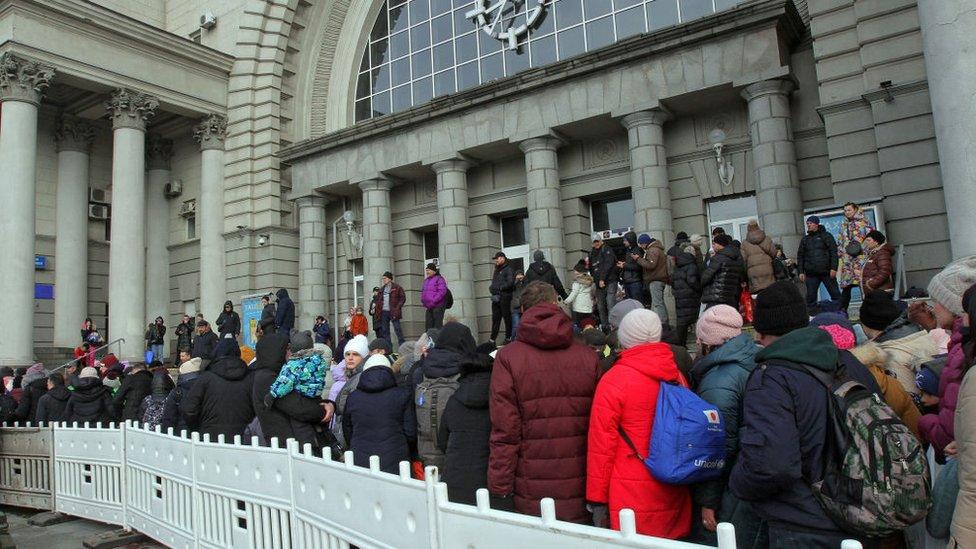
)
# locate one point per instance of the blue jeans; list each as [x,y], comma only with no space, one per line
[634,290]
[157,351]
[516,317]
[385,327]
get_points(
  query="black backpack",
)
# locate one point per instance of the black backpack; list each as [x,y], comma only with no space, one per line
[449,299]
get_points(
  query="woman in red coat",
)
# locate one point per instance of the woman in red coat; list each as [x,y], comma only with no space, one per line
[626,399]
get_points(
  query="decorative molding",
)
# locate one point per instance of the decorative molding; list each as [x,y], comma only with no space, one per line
[733,123]
[210,132]
[131,109]
[603,152]
[159,152]
[22,79]
[74,134]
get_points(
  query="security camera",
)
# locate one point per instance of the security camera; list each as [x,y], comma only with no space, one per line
[263,239]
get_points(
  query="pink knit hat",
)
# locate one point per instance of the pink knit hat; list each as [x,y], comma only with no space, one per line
[718,324]
[844,339]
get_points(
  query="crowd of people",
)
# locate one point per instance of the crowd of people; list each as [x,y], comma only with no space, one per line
[828,428]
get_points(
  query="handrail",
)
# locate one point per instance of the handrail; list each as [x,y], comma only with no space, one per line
[73,360]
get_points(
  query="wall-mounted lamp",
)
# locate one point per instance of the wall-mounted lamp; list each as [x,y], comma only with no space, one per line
[886,88]
[263,239]
[726,172]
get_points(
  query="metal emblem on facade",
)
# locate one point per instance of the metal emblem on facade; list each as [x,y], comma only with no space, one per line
[507,20]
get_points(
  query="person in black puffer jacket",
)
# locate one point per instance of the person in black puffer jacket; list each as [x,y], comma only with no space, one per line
[540,269]
[817,261]
[219,403]
[722,278]
[631,272]
[229,322]
[686,285]
[378,418]
[91,401]
[293,415]
[35,385]
[188,374]
[465,430]
[136,385]
[51,406]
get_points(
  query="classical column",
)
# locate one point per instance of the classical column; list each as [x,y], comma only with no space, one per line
[543,200]
[774,161]
[129,111]
[22,82]
[210,134]
[949,44]
[74,140]
[313,289]
[649,187]
[159,152]
[377,233]
[454,236]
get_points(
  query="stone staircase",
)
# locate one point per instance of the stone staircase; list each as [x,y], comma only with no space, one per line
[53,357]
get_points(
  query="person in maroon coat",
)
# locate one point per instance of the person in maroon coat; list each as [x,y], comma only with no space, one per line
[542,387]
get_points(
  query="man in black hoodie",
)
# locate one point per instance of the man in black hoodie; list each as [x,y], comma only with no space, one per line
[91,401]
[293,415]
[540,269]
[35,385]
[219,403]
[136,385]
[501,289]
[205,343]
[229,322]
[50,407]
[268,313]
[603,269]
[285,315]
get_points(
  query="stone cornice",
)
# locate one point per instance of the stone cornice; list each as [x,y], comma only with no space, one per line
[104,22]
[23,79]
[753,15]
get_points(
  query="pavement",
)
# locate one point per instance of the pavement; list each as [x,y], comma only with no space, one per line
[59,536]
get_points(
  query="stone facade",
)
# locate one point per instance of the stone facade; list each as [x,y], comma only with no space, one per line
[821,101]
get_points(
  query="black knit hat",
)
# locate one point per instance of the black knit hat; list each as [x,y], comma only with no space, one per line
[879,310]
[780,309]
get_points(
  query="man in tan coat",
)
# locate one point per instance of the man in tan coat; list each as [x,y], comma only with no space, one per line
[758,252]
[655,264]
[963,529]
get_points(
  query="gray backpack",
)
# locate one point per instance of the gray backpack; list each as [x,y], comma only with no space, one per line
[431,398]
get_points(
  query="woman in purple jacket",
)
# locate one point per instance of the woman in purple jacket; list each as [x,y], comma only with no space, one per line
[434,296]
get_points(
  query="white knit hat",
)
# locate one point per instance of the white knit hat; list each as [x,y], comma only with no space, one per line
[87,372]
[376,360]
[190,366]
[638,327]
[358,345]
[948,286]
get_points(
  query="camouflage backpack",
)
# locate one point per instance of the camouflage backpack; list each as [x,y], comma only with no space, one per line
[431,398]
[876,479]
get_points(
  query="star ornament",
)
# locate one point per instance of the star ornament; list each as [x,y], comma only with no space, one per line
[502,19]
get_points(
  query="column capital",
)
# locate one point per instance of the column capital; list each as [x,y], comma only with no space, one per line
[22,79]
[210,132]
[159,152]
[768,87]
[656,117]
[375,184]
[131,109]
[74,134]
[311,200]
[543,143]
[452,165]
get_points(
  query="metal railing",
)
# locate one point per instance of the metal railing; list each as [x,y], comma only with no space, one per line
[190,492]
[94,353]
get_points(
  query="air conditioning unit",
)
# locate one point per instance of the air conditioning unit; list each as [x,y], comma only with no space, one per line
[100,196]
[97,211]
[188,208]
[208,20]
[174,188]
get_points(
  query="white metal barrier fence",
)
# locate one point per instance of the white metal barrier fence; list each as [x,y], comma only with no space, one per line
[186,492]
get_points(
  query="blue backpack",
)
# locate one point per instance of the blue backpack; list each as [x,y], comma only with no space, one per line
[688,439]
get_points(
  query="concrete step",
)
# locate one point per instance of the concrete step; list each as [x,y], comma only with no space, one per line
[52,357]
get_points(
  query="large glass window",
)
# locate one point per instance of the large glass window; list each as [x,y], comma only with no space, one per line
[615,215]
[732,215]
[431,245]
[421,49]
[515,240]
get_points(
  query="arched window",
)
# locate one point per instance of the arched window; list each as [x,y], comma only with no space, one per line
[421,49]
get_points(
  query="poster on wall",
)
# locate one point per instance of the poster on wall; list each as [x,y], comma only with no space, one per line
[250,316]
[831,221]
